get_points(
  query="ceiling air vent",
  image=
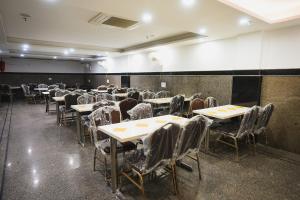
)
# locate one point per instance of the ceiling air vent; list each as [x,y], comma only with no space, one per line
[112,21]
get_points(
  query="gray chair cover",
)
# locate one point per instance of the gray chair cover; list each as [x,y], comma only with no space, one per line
[248,122]
[176,105]
[148,95]
[103,103]
[263,119]
[85,99]
[191,136]
[211,102]
[141,111]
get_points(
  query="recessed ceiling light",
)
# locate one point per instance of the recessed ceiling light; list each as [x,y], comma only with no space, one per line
[22,55]
[245,21]
[202,31]
[188,3]
[81,58]
[147,18]
[66,52]
[0,51]
[25,47]
[71,50]
[54,57]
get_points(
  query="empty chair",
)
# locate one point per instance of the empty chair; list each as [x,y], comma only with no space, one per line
[210,102]
[50,87]
[190,139]
[70,99]
[30,97]
[234,132]
[125,105]
[197,95]
[134,95]
[79,91]
[195,104]
[102,87]
[157,152]
[60,93]
[140,111]
[148,95]
[104,116]
[162,94]
[104,96]
[263,119]
[176,105]
[85,99]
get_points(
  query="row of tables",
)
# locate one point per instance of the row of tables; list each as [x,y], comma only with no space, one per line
[132,130]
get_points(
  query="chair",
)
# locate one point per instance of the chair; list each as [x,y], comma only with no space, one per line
[190,139]
[162,94]
[70,99]
[262,122]
[148,95]
[176,105]
[85,99]
[210,102]
[195,104]
[6,91]
[50,87]
[60,93]
[104,96]
[134,95]
[197,95]
[30,97]
[61,86]
[126,105]
[235,132]
[157,153]
[79,91]
[140,111]
[42,85]
[104,116]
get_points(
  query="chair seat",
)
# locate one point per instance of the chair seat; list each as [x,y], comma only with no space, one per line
[121,147]
[136,160]
[229,129]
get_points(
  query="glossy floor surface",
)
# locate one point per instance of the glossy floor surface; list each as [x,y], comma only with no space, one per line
[42,161]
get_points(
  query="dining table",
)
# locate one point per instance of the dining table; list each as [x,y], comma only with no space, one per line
[222,113]
[130,131]
[161,101]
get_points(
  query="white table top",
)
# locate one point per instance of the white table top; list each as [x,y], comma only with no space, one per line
[41,89]
[99,91]
[223,112]
[87,107]
[132,130]
[14,87]
[45,93]
[58,99]
[121,95]
[162,100]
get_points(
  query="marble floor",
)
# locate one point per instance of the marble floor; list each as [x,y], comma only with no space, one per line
[40,160]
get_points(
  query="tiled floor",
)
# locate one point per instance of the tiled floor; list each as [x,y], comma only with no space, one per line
[45,162]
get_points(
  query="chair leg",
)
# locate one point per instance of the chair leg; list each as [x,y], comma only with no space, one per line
[198,164]
[174,177]
[254,143]
[236,149]
[95,157]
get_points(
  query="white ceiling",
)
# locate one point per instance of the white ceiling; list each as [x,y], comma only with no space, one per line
[59,24]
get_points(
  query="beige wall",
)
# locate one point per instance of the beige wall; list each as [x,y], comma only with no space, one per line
[284,127]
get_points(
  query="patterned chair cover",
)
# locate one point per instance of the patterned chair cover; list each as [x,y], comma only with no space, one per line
[148,95]
[158,149]
[141,111]
[126,105]
[103,103]
[70,99]
[210,102]
[50,87]
[59,93]
[263,119]
[104,96]
[134,95]
[102,87]
[191,136]
[85,99]
[162,94]
[176,105]
[197,95]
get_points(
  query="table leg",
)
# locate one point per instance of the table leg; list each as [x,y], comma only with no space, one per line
[80,136]
[57,113]
[47,103]
[114,165]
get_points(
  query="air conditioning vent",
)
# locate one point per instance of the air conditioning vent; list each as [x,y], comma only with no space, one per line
[112,21]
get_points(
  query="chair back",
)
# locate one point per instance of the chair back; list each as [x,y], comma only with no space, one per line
[197,95]
[263,119]
[134,95]
[176,105]
[50,87]
[101,87]
[125,105]
[85,99]
[162,94]
[210,102]
[191,136]
[248,122]
[71,99]
[42,86]
[26,89]
[61,86]
[148,95]
[104,96]
[103,103]
[159,146]
[110,90]
[140,111]
[59,93]
[196,104]
[79,91]
[103,116]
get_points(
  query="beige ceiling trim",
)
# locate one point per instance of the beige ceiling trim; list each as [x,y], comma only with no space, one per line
[163,41]
[60,44]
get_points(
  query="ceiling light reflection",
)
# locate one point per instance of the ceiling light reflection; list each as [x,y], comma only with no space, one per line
[147,18]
